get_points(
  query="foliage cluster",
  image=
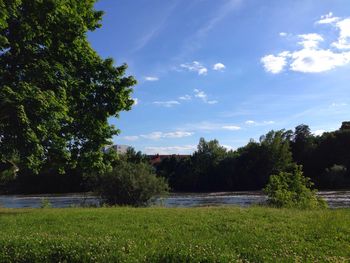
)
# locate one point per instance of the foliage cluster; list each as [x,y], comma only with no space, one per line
[325,159]
[56,93]
[213,168]
[292,190]
[174,235]
[131,183]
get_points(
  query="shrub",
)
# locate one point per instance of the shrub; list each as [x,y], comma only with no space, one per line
[292,190]
[131,184]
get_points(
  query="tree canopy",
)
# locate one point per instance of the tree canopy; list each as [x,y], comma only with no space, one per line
[56,92]
[325,159]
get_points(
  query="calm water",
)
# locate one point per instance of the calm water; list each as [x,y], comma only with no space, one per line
[335,199]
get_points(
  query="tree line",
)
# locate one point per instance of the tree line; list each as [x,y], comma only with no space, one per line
[325,159]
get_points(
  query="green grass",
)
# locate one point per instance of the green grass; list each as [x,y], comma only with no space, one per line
[174,235]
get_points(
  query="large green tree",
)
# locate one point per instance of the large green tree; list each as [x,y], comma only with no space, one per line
[56,92]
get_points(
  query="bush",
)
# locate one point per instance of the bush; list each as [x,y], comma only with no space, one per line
[131,184]
[292,190]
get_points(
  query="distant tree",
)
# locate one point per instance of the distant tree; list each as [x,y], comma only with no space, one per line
[205,162]
[135,157]
[178,172]
[292,190]
[345,126]
[302,144]
[56,92]
[276,145]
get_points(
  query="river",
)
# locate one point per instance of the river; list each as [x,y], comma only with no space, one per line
[335,199]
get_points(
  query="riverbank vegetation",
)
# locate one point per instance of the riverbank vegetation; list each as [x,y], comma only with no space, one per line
[324,159]
[211,167]
[174,235]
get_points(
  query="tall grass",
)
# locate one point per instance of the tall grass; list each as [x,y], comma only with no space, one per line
[174,235]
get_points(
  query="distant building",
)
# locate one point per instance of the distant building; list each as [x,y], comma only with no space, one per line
[119,148]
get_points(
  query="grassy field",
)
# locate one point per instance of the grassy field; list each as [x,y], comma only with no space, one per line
[174,235]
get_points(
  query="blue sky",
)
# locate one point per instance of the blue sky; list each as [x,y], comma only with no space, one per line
[227,69]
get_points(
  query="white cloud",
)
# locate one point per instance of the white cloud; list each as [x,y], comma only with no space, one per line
[250,122]
[195,66]
[153,135]
[159,135]
[168,104]
[203,96]
[200,94]
[319,132]
[328,19]
[310,41]
[208,126]
[341,104]
[273,64]
[311,58]
[256,123]
[136,101]
[131,138]
[219,67]
[177,134]
[185,97]
[283,34]
[150,78]
[344,34]
[231,127]
[184,149]
[317,60]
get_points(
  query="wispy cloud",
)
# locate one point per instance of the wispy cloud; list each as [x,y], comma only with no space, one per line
[221,13]
[231,127]
[195,66]
[183,149]
[311,58]
[203,96]
[130,138]
[154,30]
[159,135]
[328,19]
[219,67]
[185,97]
[200,94]
[250,122]
[207,126]
[151,78]
[338,104]
[168,104]
[283,34]
[194,42]
[259,123]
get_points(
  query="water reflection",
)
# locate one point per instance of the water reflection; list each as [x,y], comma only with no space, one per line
[335,199]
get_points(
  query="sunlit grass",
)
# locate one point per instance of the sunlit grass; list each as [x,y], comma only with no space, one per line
[174,235]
